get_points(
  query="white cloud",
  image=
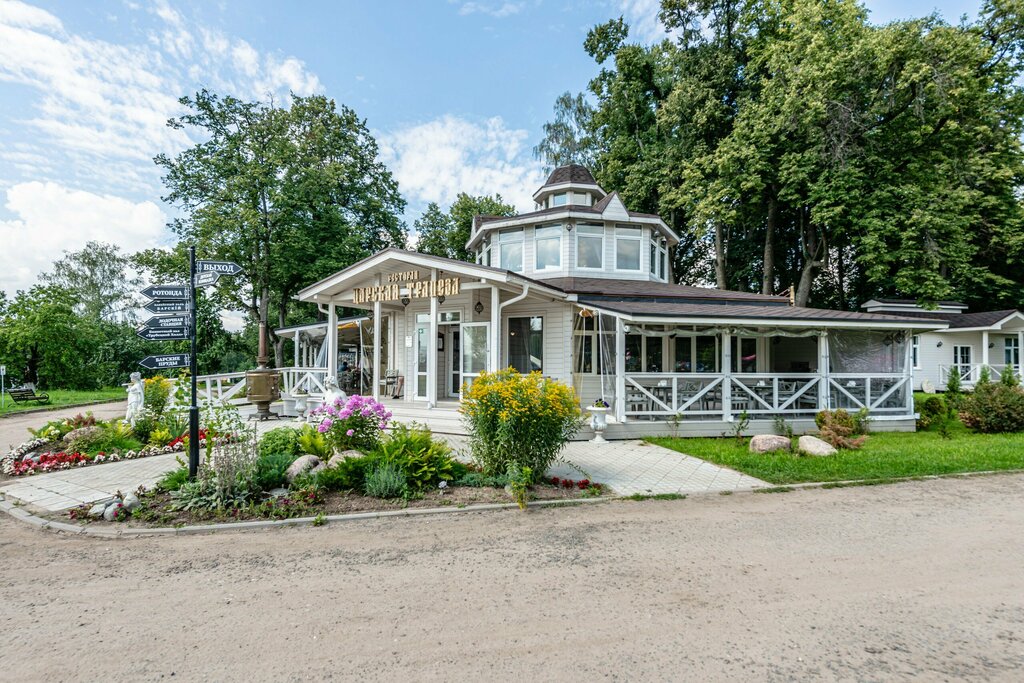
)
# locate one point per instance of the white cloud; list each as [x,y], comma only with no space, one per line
[498,10]
[50,218]
[642,17]
[436,160]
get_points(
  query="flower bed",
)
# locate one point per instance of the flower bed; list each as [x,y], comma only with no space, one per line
[25,460]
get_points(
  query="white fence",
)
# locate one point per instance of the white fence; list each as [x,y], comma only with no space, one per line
[970,373]
[717,396]
[232,386]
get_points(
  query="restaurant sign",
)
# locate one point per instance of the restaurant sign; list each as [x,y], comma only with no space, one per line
[415,289]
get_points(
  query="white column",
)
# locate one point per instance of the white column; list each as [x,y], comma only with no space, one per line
[1020,355]
[620,370]
[296,341]
[432,348]
[494,357]
[823,372]
[727,377]
[984,350]
[908,371]
[332,340]
[376,351]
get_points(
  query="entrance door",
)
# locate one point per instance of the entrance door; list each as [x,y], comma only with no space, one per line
[455,378]
[962,361]
[422,349]
[474,350]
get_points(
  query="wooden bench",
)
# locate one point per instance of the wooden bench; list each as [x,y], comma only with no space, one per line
[26,395]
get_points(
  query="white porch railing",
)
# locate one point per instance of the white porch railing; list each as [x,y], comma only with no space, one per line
[704,395]
[970,373]
[310,380]
[228,386]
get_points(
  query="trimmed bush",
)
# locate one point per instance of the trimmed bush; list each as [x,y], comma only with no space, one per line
[519,421]
[933,410]
[271,468]
[994,408]
[280,441]
[840,429]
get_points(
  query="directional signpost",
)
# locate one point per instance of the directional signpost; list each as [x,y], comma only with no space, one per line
[174,319]
[171,360]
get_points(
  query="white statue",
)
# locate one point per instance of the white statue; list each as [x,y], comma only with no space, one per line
[136,398]
[332,393]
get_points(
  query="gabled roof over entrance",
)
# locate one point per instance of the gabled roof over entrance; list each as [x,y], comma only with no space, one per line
[398,260]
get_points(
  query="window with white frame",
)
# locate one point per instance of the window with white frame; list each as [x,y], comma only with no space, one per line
[658,257]
[510,250]
[627,248]
[590,246]
[484,255]
[560,199]
[644,354]
[696,354]
[915,350]
[592,348]
[581,198]
[1011,351]
[526,344]
[547,247]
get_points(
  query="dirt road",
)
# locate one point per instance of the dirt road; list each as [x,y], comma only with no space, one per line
[917,581]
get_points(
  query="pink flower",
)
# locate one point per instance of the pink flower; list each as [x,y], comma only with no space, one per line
[350,432]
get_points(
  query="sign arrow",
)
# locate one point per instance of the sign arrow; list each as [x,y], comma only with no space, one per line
[172,360]
[160,307]
[160,322]
[163,334]
[206,279]
[166,292]
[219,267]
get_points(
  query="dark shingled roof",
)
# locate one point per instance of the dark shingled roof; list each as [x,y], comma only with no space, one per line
[604,287]
[959,320]
[573,173]
[706,310]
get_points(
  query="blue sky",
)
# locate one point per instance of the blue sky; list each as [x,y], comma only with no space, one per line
[456,92]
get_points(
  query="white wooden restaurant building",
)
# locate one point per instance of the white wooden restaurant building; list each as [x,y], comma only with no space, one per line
[580,290]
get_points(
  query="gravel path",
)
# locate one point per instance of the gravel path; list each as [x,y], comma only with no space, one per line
[916,581]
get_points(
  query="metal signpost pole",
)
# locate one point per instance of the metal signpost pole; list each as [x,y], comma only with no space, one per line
[3,384]
[193,411]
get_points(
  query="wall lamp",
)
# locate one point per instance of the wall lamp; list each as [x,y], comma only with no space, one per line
[938,344]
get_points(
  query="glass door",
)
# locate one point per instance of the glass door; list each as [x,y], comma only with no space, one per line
[473,340]
[422,349]
[455,383]
[962,361]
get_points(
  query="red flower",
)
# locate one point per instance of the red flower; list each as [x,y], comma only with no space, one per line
[583,483]
[567,483]
[555,481]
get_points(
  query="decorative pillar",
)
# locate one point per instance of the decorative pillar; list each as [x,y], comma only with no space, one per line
[620,370]
[376,351]
[823,371]
[1020,354]
[984,351]
[908,371]
[296,341]
[331,339]
[727,377]
[494,356]
[432,348]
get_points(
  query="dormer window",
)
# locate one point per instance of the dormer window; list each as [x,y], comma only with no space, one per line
[560,199]
[627,247]
[547,247]
[510,250]
[581,199]
[590,246]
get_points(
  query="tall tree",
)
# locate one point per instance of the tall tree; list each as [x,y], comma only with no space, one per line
[291,194]
[98,276]
[447,234]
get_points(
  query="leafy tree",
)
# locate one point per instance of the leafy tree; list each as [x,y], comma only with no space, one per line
[99,278]
[567,139]
[290,194]
[447,234]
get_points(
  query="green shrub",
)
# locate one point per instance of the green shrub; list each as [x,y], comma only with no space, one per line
[270,470]
[994,408]
[954,391]
[840,429]
[932,411]
[478,479]
[347,475]
[1008,378]
[313,442]
[173,480]
[424,462]
[984,376]
[115,437]
[145,424]
[156,392]
[280,441]
[519,421]
[160,437]
[175,423]
[385,480]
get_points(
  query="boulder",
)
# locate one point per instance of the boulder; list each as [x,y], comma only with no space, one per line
[927,387]
[111,511]
[812,445]
[131,502]
[96,511]
[338,457]
[300,466]
[769,443]
[279,492]
[319,468]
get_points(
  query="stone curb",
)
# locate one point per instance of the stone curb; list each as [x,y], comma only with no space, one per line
[121,532]
[50,409]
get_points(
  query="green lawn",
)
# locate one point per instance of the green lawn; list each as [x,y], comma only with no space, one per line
[884,456]
[63,398]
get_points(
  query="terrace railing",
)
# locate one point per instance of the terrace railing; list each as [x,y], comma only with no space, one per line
[970,373]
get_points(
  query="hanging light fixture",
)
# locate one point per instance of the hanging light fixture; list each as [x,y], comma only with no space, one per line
[405,300]
[478,306]
[440,299]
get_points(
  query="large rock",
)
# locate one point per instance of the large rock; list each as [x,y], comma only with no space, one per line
[338,457]
[812,445]
[301,466]
[97,510]
[927,387]
[769,443]
[111,512]
[131,502]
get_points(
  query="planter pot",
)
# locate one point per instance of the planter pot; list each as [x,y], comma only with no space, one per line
[598,422]
[300,403]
